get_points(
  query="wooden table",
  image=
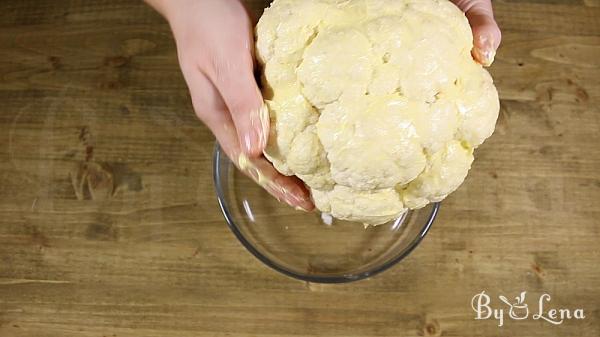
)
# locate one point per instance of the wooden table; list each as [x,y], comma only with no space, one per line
[99,80]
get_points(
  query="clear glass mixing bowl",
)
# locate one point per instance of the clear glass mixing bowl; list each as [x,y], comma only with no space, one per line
[303,245]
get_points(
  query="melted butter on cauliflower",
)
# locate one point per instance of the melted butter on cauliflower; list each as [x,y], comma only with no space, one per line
[376,105]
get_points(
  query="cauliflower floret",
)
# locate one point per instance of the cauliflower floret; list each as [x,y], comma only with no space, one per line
[371,207]
[377,105]
[371,144]
[328,57]
[446,170]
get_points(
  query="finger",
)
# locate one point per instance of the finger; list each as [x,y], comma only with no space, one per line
[288,189]
[486,33]
[211,109]
[235,82]
[230,67]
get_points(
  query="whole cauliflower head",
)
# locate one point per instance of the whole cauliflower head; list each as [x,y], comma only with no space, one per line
[376,105]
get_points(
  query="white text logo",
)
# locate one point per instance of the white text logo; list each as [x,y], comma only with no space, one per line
[519,310]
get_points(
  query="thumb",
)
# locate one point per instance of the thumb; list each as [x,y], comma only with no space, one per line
[486,33]
[232,73]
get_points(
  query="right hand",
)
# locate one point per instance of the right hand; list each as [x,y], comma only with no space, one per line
[215,43]
[486,34]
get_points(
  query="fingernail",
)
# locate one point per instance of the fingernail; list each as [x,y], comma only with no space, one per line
[260,122]
[256,139]
[298,203]
[486,53]
[488,57]
[305,207]
[284,195]
[265,122]
[248,142]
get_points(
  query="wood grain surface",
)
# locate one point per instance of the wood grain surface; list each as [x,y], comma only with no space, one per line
[99,81]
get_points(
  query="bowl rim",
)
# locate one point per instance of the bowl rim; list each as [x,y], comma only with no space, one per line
[219,190]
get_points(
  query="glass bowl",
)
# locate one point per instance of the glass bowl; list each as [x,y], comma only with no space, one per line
[312,246]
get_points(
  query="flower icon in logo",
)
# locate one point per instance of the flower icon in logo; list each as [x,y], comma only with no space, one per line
[519,309]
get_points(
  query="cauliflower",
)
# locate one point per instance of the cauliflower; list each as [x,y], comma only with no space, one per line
[376,105]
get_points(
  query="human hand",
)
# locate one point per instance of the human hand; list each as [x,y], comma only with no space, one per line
[486,34]
[215,44]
